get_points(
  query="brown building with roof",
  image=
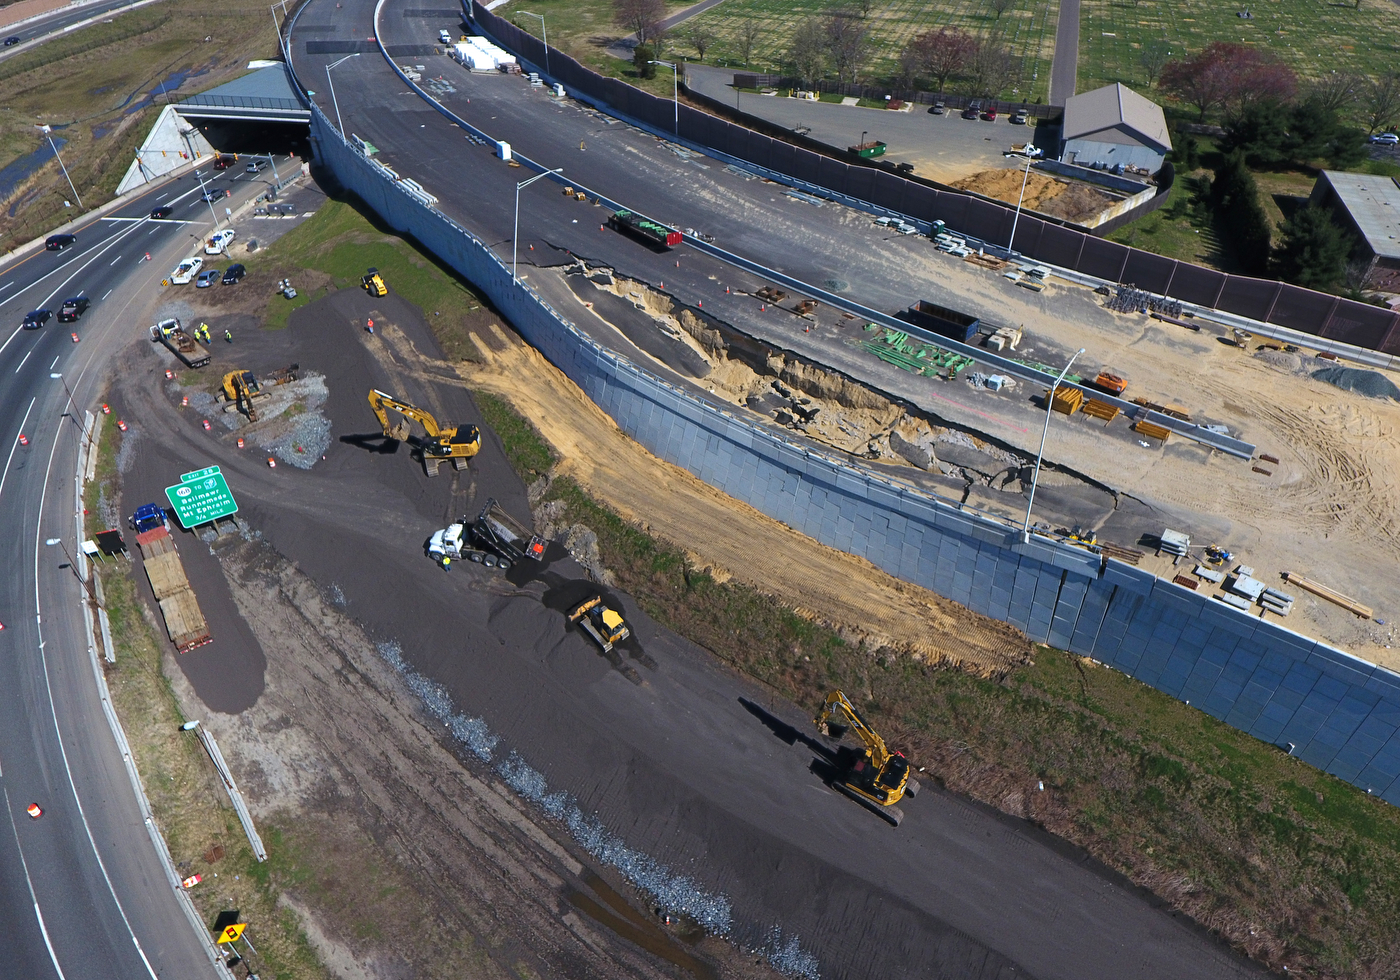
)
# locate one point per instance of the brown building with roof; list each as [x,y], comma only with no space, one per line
[1111,127]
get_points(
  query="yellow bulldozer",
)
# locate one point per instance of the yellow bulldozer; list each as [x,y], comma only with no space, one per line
[457,443]
[877,778]
[373,283]
[600,622]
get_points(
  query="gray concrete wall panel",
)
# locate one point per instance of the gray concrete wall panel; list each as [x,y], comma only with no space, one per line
[1302,309]
[1148,271]
[1253,298]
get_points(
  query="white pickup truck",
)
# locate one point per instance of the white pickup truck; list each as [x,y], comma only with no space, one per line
[186,271]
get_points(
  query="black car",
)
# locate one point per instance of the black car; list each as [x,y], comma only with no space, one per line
[73,308]
[164,211]
[57,243]
[234,273]
[12,39]
[35,319]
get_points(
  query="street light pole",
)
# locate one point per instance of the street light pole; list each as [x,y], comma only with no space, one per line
[48,133]
[74,566]
[1049,405]
[334,102]
[544,36]
[212,213]
[1010,246]
[57,376]
[675,90]
[515,237]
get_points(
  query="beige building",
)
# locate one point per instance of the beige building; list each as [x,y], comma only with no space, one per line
[1368,205]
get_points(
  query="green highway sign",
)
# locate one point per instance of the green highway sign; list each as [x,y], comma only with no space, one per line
[201,497]
[194,475]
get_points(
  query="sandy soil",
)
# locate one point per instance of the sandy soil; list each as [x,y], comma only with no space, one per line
[1057,198]
[735,539]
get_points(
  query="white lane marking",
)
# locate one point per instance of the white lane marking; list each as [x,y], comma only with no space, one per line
[6,286]
[38,913]
[53,708]
[12,337]
[161,197]
[114,261]
[5,475]
[22,360]
[105,295]
[55,361]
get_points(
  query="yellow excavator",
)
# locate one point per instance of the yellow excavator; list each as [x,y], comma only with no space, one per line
[876,778]
[241,387]
[457,443]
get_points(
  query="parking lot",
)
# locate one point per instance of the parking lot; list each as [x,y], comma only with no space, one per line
[944,148]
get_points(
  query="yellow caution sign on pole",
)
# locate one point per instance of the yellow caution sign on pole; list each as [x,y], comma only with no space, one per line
[232,932]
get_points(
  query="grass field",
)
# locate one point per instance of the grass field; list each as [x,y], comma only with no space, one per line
[1314,37]
[584,28]
[100,89]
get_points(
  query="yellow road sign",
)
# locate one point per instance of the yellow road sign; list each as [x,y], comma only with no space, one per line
[232,932]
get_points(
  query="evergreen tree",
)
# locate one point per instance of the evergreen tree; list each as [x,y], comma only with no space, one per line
[1242,216]
[1313,251]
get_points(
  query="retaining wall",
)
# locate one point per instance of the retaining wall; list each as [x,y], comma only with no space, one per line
[1327,317]
[1339,713]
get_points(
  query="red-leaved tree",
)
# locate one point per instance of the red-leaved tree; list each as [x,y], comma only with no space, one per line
[941,54]
[1228,76]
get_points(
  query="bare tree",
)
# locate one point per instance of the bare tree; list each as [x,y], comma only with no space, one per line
[1000,7]
[990,70]
[1381,101]
[1337,91]
[865,7]
[640,16]
[910,65]
[748,37]
[702,38]
[847,42]
[807,53]
[1153,57]
[942,54]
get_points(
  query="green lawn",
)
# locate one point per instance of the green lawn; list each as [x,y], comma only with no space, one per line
[1312,36]
[584,28]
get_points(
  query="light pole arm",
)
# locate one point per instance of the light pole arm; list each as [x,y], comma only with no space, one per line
[515,235]
[1035,478]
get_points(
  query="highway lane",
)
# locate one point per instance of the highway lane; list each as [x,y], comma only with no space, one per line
[87,894]
[46,26]
[753,812]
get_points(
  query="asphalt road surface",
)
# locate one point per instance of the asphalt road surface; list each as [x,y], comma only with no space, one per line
[86,896]
[680,766]
[1064,70]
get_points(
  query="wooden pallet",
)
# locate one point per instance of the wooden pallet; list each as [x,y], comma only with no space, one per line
[1152,430]
[1066,400]
[1100,410]
[1121,553]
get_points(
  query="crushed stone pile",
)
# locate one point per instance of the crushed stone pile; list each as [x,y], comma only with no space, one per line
[1372,384]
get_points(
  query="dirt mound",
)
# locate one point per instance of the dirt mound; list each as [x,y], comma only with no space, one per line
[1058,198]
[846,592]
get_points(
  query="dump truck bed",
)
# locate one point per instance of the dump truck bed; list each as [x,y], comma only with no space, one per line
[184,622]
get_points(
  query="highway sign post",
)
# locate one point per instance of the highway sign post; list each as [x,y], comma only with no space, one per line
[232,932]
[201,497]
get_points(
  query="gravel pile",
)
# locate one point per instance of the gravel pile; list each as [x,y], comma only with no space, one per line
[1372,384]
[676,893]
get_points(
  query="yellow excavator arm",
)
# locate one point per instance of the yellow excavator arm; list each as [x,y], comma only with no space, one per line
[879,751]
[379,401]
